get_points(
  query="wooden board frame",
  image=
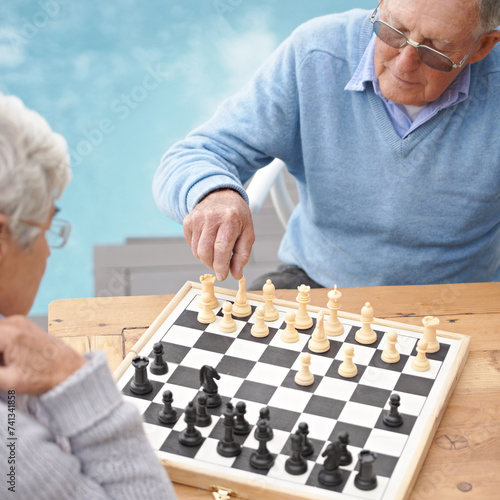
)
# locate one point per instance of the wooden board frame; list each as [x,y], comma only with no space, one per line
[248,489]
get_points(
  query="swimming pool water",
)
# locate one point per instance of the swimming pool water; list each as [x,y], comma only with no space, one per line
[122,81]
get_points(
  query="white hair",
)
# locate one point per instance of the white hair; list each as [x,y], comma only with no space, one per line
[34,168]
[489,14]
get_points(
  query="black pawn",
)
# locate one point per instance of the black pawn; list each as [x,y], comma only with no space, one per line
[242,427]
[366,478]
[264,413]
[203,418]
[141,384]
[159,365]
[167,415]
[330,474]
[190,436]
[345,454]
[262,459]
[228,446]
[307,447]
[296,464]
[393,418]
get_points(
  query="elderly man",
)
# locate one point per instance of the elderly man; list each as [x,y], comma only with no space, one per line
[386,120]
[66,431]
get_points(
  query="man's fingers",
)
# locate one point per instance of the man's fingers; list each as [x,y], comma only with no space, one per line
[241,251]
[223,249]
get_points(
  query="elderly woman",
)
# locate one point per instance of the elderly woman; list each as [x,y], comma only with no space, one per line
[66,432]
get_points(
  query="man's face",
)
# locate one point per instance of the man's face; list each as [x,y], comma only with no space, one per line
[446,26]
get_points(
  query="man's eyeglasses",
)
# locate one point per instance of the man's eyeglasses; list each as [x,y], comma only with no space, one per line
[430,57]
[57,231]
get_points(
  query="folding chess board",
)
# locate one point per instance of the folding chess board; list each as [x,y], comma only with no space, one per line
[260,372]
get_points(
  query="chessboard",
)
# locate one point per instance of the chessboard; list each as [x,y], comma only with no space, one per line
[261,371]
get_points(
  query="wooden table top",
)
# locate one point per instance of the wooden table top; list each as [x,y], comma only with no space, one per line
[465,454]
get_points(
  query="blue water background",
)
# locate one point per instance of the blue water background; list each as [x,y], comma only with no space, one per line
[123,80]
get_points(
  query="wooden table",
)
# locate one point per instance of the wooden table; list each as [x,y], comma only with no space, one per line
[464,459]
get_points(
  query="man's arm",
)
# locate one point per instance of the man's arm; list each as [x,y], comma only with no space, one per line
[110,456]
[200,180]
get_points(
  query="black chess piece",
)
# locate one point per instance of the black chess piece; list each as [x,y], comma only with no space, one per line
[296,464]
[345,454]
[242,427]
[264,413]
[393,418]
[307,447]
[141,384]
[228,446]
[366,478]
[330,474]
[190,436]
[167,415]
[159,365]
[207,376]
[262,459]
[203,418]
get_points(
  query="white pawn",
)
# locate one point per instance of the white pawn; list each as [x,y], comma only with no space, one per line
[318,341]
[304,376]
[303,321]
[206,315]
[390,354]
[430,325]
[420,363]
[241,306]
[290,334]
[207,285]
[347,368]
[259,328]
[333,326]
[270,312]
[227,323]
[365,335]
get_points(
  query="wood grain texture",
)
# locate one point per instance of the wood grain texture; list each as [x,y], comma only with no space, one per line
[464,457]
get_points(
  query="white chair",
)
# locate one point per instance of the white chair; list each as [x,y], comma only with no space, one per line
[270,180]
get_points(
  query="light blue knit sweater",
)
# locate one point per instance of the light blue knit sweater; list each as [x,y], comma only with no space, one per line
[375,209]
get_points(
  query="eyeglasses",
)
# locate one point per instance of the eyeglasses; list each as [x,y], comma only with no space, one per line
[430,57]
[57,231]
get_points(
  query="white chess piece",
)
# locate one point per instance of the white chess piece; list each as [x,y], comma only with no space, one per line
[333,326]
[347,368]
[430,325]
[319,342]
[259,328]
[270,312]
[206,315]
[290,334]
[304,376]
[390,354]
[241,306]
[207,286]
[365,335]
[420,363]
[302,320]
[227,323]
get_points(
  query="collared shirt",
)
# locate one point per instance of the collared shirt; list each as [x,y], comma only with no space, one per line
[457,92]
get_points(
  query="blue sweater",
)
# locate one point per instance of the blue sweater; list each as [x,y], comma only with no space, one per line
[375,209]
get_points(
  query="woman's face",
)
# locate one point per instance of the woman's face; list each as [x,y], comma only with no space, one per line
[21,271]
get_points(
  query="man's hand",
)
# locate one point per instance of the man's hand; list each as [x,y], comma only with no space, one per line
[33,361]
[219,231]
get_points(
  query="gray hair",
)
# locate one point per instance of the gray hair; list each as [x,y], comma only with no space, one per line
[34,168]
[489,15]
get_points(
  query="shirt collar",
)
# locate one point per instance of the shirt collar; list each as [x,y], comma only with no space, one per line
[365,72]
